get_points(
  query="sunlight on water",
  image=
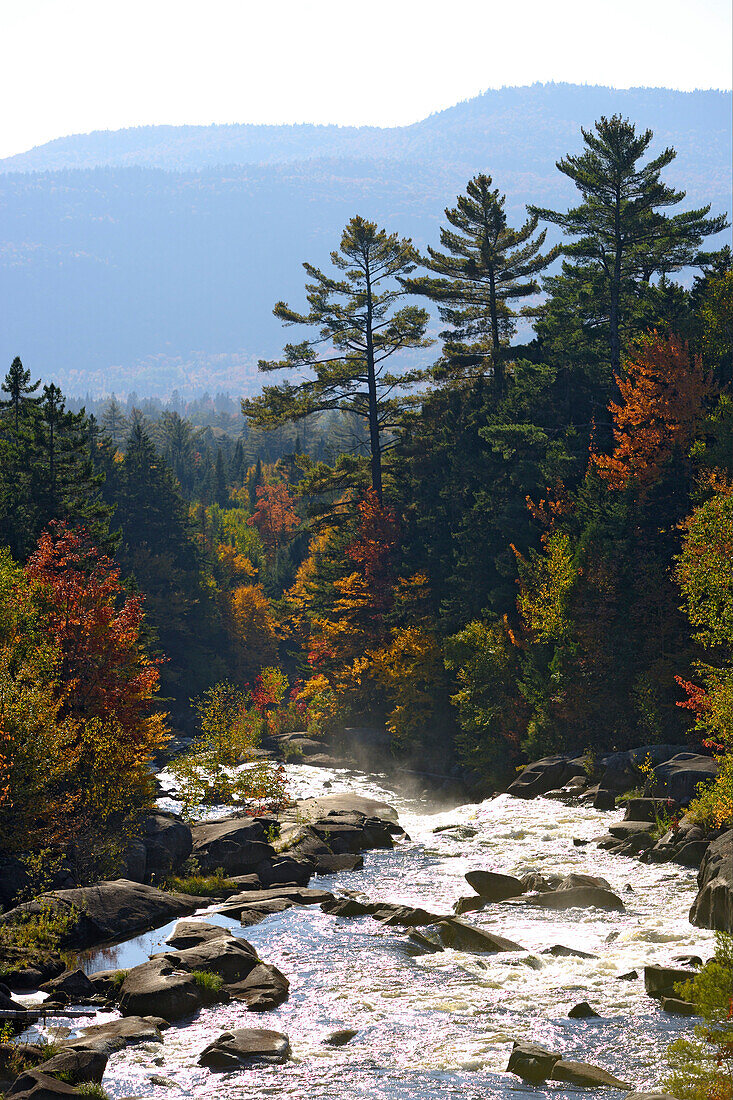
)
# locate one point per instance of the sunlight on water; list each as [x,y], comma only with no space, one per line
[441,1026]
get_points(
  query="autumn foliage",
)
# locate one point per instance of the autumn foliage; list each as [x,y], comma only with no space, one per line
[274,517]
[662,391]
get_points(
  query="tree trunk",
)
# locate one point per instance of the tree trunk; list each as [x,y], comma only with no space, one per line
[374,442]
[497,362]
[614,340]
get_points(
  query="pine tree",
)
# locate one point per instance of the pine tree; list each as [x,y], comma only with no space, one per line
[18,386]
[114,421]
[221,494]
[622,238]
[357,322]
[485,266]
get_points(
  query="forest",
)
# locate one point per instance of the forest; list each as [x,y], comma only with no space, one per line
[517,550]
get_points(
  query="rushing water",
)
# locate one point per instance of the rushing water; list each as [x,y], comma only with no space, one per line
[441,1026]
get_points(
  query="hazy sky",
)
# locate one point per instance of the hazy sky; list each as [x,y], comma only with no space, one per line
[70,66]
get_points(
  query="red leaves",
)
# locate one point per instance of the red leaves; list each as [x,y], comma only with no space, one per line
[96,627]
[372,548]
[663,389]
[274,516]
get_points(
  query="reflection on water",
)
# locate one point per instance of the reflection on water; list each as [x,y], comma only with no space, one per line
[441,1026]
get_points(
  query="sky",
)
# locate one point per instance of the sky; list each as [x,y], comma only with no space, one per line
[71,66]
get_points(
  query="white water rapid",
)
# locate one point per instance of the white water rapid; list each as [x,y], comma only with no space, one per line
[440,1027]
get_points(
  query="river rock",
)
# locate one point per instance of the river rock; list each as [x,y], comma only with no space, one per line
[648,809]
[579,897]
[192,933]
[713,906]
[167,842]
[109,911]
[583,1011]
[160,988]
[332,864]
[265,987]
[36,1085]
[619,771]
[532,1062]
[677,1007]
[285,871]
[117,1034]
[679,777]
[534,881]
[238,845]
[650,1096]
[604,800]
[74,982]
[229,957]
[75,1066]
[315,809]
[261,899]
[491,886]
[585,1075]
[573,880]
[245,1047]
[460,936]
[545,775]
[559,951]
[659,981]
[106,983]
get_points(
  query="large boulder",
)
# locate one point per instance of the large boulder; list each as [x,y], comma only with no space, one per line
[680,777]
[160,988]
[229,957]
[620,771]
[659,981]
[239,844]
[264,987]
[36,1085]
[573,880]
[75,983]
[713,906]
[585,1075]
[14,879]
[167,841]
[492,886]
[76,1066]
[193,933]
[117,1034]
[107,912]
[316,809]
[459,936]
[578,897]
[532,1062]
[245,1047]
[545,775]
[262,900]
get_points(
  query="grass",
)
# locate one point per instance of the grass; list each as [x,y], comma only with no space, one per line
[199,885]
[207,981]
[93,1088]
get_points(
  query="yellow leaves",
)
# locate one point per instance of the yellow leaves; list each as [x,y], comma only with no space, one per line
[252,628]
[237,566]
[546,581]
[410,671]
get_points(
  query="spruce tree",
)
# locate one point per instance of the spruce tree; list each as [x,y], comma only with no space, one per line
[114,421]
[18,386]
[484,267]
[359,330]
[622,237]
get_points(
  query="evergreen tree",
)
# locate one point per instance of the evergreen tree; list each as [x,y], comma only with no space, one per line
[221,494]
[362,330]
[485,266]
[622,237]
[114,421]
[18,386]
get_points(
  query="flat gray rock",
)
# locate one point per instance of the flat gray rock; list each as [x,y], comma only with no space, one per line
[245,1047]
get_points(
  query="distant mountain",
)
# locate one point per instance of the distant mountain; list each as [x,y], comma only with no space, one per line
[150,258]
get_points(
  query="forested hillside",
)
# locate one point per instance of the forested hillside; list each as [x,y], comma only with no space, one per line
[135,261]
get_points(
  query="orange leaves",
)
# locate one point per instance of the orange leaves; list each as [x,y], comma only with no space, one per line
[274,517]
[662,390]
[252,628]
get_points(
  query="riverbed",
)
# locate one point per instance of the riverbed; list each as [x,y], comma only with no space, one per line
[440,1027]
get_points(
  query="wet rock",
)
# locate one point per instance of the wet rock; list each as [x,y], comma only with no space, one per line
[559,951]
[625,829]
[253,914]
[629,976]
[265,987]
[541,883]
[571,881]
[117,1034]
[193,933]
[340,1038]
[75,1066]
[256,899]
[245,1047]
[107,911]
[604,800]
[650,1096]
[688,960]
[333,864]
[349,907]
[620,771]
[470,904]
[36,1085]
[315,809]
[285,871]
[579,897]
[532,1062]
[547,774]
[460,936]
[679,777]
[492,886]
[713,906]
[73,982]
[160,988]
[583,1011]
[648,809]
[659,981]
[229,957]
[239,845]
[691,854]
[677,1007]
[585,1075]
[106,983]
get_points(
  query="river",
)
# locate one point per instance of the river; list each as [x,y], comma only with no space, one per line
[440,1027]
